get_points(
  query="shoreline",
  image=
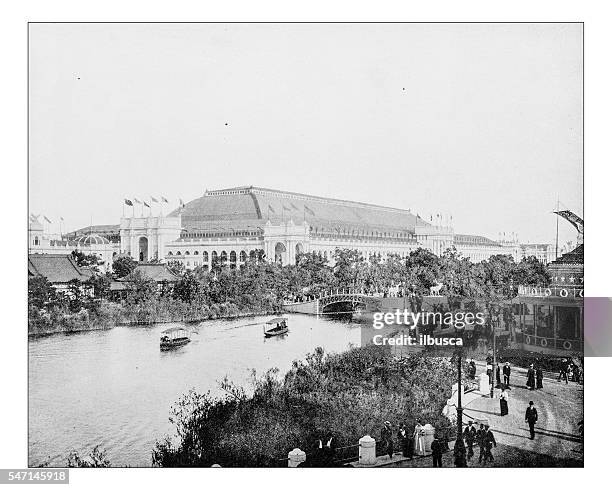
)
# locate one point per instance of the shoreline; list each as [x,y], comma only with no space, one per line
[133,323]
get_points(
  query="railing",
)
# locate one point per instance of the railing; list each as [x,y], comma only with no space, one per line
[552,291]
[550,342]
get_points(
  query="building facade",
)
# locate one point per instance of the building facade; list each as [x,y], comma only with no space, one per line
[551,319]
[230,226]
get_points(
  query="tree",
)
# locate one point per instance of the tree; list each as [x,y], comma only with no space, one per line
[347,267]
[139,287]
[40,292]
[530,271]
[423,269]
[85,260]
[123,266]
[100,284]
[188,289]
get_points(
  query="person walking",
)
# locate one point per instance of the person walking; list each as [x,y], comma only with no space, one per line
[469,434]
[472,369]
[563,371]
[487,442]
[531,417]
[539,378]
[405,441]
[436,452]
[503,402]
[531,377]
[387,439]
[506,372]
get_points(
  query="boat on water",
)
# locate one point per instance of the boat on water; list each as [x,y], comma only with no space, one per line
[276,326]
[174,337]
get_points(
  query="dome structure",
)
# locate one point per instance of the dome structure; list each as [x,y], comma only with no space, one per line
[91,240]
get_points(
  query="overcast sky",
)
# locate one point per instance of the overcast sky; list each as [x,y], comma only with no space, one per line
[483,122]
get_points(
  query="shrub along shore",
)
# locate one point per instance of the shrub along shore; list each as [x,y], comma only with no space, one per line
[347,395]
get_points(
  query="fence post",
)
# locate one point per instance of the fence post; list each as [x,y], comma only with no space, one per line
[367,451]
[295,457]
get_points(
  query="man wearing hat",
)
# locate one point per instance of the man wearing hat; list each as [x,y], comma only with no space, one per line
[487,443]
[531,417]
[436,452]
[387,438]
[506,372]
[469,434]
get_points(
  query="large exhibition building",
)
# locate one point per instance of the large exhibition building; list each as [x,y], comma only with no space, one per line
[231,225]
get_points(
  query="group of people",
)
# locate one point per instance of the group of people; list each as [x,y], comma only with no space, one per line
[410,442]
[569,371]
[535,377]
[481,436]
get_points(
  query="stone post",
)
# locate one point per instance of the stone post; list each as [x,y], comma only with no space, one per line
[483,384]
[296,457]
[367,451]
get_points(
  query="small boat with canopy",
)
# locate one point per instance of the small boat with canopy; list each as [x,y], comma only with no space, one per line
[174,337]
[276,326]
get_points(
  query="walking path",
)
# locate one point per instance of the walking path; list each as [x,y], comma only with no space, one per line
[557,441]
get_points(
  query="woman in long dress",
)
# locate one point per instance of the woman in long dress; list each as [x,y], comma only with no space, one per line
[503,402]
[419,442]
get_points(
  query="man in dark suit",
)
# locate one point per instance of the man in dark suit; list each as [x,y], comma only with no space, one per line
[469,435]
[531,417]
[488,442]
[387,438]
[436,452]
[507,374]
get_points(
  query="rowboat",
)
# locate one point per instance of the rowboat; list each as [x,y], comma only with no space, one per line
[276,326]
[174,337]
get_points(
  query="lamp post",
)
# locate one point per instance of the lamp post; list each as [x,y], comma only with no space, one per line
[459,452]
[495,311]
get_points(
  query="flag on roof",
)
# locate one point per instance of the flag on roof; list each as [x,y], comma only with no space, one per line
[146,204]
[182,204]
[286,208]
[294,206]
[164,199]
[137,200]
[271,209]
[128,202]
[47,219]
[154,199]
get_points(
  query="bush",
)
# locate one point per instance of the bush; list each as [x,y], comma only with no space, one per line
[351,393]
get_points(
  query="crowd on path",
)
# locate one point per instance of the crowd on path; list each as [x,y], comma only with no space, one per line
[476,433]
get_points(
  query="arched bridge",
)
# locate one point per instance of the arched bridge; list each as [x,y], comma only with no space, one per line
[357,299]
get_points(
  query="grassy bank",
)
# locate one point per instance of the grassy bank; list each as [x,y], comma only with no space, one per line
[349,394]
[106,314]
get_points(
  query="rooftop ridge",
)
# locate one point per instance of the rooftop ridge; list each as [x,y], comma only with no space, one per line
[299,196]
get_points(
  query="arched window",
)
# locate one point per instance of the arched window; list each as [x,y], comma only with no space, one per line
[169,253]
[252,255]
[223,256]
[232,256]
[187,252]
[196,253]
[205,256]
[178,253]
[36,241]
[243,256]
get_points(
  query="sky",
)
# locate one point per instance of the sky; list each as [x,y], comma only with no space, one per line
[479,121]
